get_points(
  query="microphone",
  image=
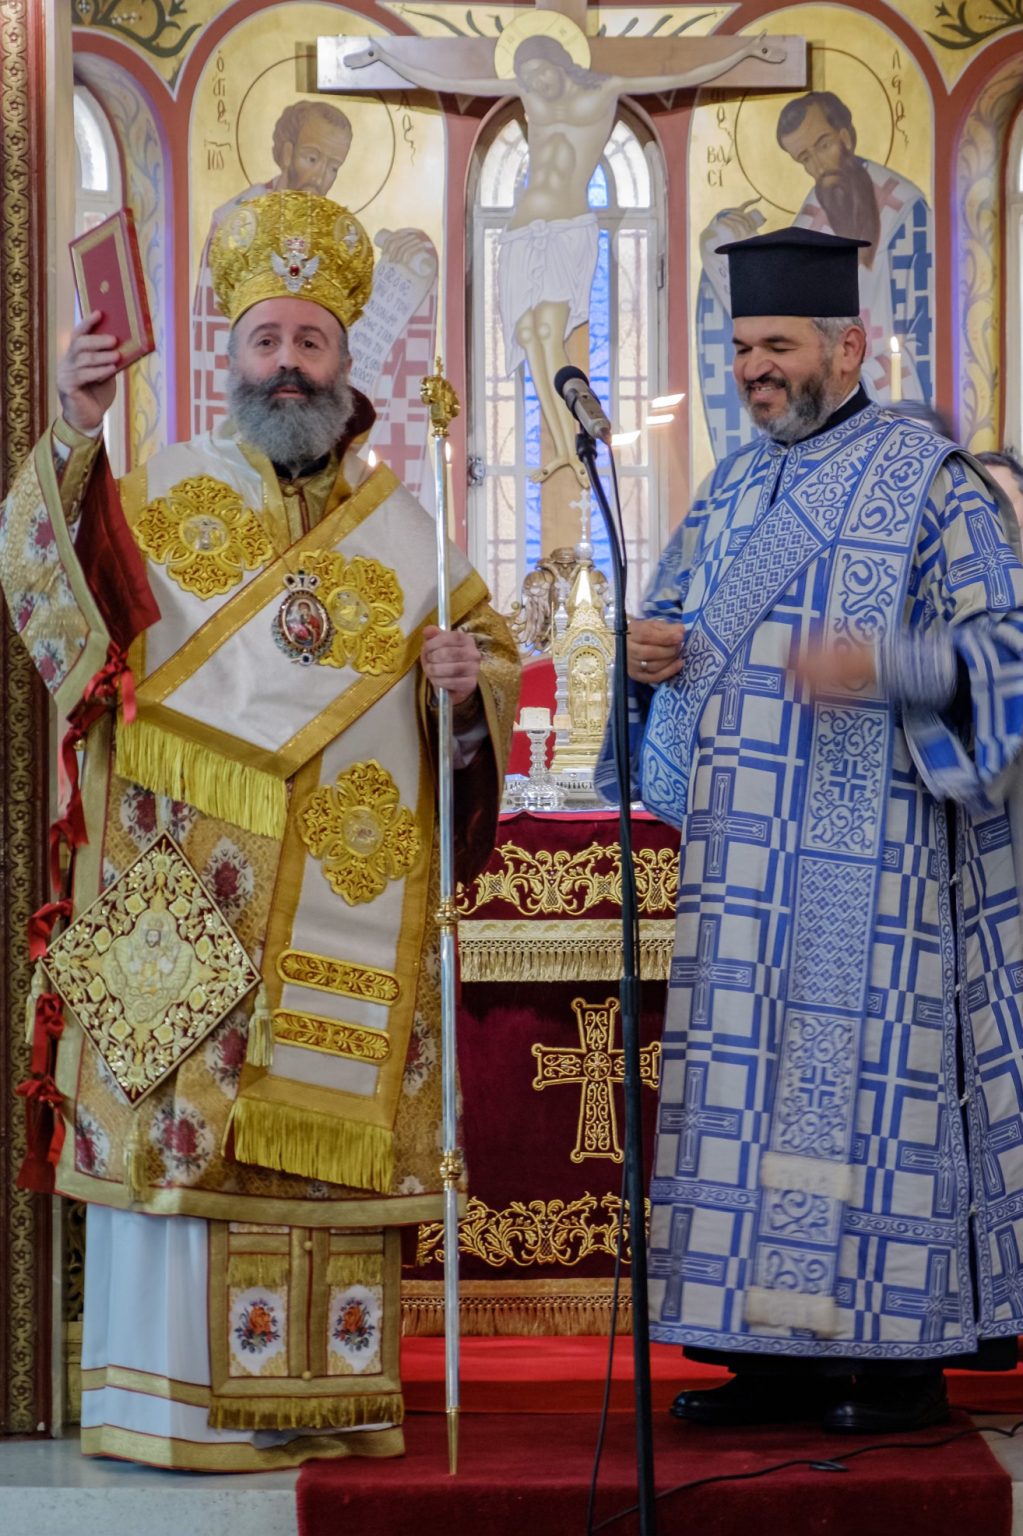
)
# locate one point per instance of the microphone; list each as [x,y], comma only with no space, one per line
[574,388]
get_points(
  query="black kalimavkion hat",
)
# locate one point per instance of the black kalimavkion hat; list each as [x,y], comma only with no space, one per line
[794,272]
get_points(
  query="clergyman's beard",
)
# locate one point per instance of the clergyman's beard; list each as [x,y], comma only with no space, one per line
[292,433]
[851,204]
[809,406]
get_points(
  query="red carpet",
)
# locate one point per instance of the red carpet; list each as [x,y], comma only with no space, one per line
[566,1375]
[526,1473]
[529,1420]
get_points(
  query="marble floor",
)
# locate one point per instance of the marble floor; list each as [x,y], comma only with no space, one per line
[46,1484]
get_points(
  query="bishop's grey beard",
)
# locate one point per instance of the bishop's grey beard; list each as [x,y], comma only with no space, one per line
[292,433]
[809,406]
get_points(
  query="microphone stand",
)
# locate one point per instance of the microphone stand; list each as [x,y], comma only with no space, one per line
[629,1000]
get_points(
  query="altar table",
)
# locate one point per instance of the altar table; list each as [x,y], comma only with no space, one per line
[540,1059]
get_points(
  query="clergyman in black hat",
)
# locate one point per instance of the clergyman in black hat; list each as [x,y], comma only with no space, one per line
[827,685]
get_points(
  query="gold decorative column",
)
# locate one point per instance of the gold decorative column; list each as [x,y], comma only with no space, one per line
[25,1276]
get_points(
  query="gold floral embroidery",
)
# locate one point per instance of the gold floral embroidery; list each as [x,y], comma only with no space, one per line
[331,1036]
[204,534]
[553,882]
[360,832]
[342,976]
[150,969]
[544,1232]
[364,602]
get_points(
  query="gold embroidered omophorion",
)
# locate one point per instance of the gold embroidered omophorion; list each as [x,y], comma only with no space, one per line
[150,969]
[364,601]
[204,534]
[340,976]
[331,1035]
[360,832]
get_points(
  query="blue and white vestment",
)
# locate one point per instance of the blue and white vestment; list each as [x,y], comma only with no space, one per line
[817,1188]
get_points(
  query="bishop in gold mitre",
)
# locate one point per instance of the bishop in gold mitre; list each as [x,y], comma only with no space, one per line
[248,1079]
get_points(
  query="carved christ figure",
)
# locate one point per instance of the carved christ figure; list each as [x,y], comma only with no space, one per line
[548,251]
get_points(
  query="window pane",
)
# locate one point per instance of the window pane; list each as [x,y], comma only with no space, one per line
[624,154]
[506,429]
[92,150]
[596,194]
[503,167]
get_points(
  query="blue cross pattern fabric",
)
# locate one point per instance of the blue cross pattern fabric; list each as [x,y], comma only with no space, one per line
[828,1178]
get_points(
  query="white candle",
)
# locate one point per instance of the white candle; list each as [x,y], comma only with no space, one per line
[534,719]
[896,370]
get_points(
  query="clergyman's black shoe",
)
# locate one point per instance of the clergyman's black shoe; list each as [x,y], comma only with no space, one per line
[885,1405]
[761,1398]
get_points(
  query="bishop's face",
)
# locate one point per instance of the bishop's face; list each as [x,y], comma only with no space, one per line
[288,379]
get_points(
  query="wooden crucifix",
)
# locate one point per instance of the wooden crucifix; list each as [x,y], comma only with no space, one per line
[569,86]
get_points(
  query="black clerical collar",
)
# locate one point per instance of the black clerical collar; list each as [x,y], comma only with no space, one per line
[851,407]
[289,474]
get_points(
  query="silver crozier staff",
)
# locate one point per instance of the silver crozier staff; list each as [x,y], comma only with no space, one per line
[438,394]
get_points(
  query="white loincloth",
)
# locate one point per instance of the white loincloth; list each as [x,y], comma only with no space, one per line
[551,261]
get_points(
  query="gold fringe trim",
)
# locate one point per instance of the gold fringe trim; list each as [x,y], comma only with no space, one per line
[338,1412]
[259,1050]
[317,1146]
[169,765]
[524,959]
[135,1163]
[35,992]
[345,1269]
[571,1316]
[245,1270]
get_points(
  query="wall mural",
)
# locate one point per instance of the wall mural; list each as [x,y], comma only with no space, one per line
[853,156]
[871,115]
[255,129]
[978,268]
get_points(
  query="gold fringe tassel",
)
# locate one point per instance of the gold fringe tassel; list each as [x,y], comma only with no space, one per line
[306,1412]
[569,1316]
[245,1270]
[317,1146]
[259,1051]
[523,959]
[169,765]
[135,1163]
[35,992]
[345,1269]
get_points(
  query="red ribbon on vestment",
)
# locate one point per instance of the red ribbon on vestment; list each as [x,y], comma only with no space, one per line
[44,1103]
[41,925]
[113,679]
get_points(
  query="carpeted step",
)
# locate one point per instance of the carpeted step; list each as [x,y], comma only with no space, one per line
[531,1472]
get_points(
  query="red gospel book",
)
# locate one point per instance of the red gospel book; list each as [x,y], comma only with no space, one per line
[108,276]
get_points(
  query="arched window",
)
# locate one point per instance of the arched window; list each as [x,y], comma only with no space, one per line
[1013,332]
[97,195]
[626,361]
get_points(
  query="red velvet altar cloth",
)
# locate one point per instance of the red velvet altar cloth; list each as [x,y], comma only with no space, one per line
[526,1472]
[540,1063]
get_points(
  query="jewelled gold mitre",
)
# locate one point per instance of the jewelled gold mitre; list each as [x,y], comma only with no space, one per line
[292,244]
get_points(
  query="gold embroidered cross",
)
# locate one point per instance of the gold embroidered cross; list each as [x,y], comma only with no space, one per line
[595,1065]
